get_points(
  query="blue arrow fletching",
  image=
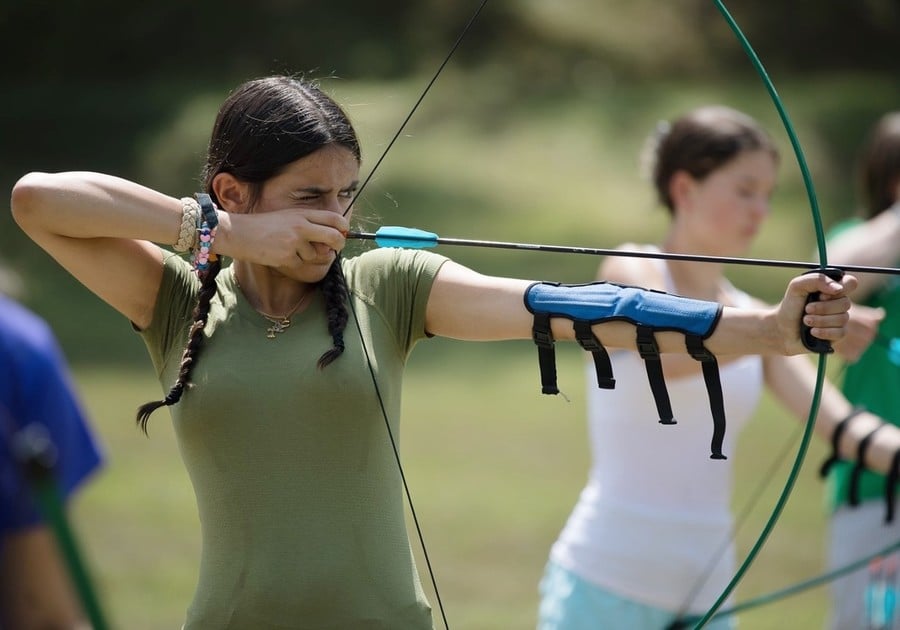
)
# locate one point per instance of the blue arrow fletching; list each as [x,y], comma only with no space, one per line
[410,238]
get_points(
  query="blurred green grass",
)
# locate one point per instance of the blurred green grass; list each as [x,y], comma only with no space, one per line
[493,466]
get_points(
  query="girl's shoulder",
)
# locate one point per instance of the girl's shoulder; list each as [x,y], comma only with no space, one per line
[388,264]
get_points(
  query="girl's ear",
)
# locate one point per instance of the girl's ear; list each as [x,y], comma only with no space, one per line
[681,186]
[232,194]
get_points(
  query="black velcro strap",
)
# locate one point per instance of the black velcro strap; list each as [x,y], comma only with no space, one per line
[859,466]
[890,488]
[543,338]
[649,351]
[836,441]
[602,365]
[710,368]
[207,209]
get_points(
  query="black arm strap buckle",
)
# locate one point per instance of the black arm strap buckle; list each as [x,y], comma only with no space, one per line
[602,365]
[207,209]
[649,351]
[710,367]
[543,338]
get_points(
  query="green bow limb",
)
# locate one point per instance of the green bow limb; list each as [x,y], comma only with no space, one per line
[820,376]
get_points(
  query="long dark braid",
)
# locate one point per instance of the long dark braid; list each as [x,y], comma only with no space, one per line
[334,290]
[262,127]
[191,350]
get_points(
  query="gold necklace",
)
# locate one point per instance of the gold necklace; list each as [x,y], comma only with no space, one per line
[282,323]
[279,323]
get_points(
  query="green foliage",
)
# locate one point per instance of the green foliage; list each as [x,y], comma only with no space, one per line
[115,43]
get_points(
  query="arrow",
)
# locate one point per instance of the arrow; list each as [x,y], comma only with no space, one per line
[414,238]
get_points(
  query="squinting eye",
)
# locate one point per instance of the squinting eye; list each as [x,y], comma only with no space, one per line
[347,194]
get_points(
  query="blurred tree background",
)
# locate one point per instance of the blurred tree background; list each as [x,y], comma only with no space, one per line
[131,89]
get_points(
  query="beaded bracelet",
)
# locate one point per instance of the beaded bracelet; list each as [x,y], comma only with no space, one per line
[209,221]
[190,222]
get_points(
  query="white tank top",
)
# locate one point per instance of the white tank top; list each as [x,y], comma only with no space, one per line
[655,511]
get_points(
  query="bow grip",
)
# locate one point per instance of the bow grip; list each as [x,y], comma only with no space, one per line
[814,344]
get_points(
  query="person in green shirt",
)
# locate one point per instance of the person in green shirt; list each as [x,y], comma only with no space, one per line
[871,381]
[283,370]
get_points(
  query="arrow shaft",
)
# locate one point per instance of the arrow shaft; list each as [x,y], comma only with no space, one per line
[596,251]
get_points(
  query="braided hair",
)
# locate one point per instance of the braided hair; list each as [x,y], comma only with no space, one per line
[262,127]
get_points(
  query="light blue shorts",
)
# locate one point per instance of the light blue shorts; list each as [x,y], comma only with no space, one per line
[569,602]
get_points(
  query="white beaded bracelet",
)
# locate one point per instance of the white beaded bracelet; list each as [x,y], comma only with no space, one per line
[190,223]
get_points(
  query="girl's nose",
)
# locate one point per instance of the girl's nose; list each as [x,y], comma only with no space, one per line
[333,204]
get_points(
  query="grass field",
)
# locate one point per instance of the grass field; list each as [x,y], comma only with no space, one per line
[494,468]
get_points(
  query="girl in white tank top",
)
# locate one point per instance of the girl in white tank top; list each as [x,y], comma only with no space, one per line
[649,539]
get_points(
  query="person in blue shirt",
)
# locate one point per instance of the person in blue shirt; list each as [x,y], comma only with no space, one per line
[37,395]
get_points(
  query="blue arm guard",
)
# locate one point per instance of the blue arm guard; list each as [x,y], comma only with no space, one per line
[603,301]
[649,311]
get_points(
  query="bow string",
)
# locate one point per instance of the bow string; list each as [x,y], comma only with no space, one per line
[365,349]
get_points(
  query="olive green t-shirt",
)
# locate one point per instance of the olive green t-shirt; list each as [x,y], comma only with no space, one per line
[298,490]
[874,383]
